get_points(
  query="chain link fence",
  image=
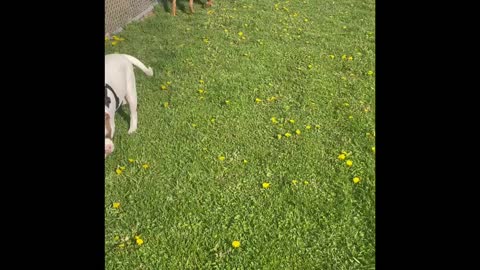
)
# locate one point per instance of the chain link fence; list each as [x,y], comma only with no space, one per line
[119,13]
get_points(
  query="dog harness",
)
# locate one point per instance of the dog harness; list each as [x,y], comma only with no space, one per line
[108,101]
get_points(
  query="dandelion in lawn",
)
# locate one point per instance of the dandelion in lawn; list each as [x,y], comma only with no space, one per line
[169,83]
[266,185]
[257,100]
[279,136]
[350,117]
[344,57]
[291,121]
[346,104]
[227,102]
[350,58]
[236,244]
[145,166]
[317,126]
[245,161]
[201,81]
[240,34]
[373,149]
[114,43]
[194,125]
[298,132]
[225,30]
[356,180]
[118,38]
[306,182]
[332,56]
[119,171]
[271,99]
[305,20]
[310,66]
[370,73]
[274,120]
[116,205]
[138,240]
[116,238]
[288,135]
[294,182]
[221,158]
[342,156]
[163,87]
[165,105]
[349,163]
[131,160]
[308,127]
[122,245]
[201,91]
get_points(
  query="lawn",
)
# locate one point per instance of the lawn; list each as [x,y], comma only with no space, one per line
[244,134]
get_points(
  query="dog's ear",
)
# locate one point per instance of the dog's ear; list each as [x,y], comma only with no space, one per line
[108,128]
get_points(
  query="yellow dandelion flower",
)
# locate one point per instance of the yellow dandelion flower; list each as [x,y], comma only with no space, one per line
[373,149]
[308,127]
[346,104]
[236,244]
[298,131]
[349,163]
[288,135]
[122,168]
[310,66]
[107,39]
[350,117]
[356,180]
[118,38]
[350,58]
[305,20]
[243,37]
[194,125]
[227,102]
[306,182]
[257,100]
[245,161]
[279,136]
[201,91]
[169,83]
[291,121]
[225,30]
[266,185]
[145,166]
[165,104]
[344,27]
[205,40]
[342,157]
[274,120]
[131,160]
[332,56]
[344,57]
[294,182]
[221,158]
[163,87]
[122,245]
[116,205]
[317,126]
[116,238]
[114,43]
[119,171]
[240,34]
[139,241]
[202,82]
[370,73]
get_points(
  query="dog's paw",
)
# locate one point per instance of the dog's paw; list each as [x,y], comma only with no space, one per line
[132,130]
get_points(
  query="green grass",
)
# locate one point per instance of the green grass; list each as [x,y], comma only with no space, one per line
[189,206]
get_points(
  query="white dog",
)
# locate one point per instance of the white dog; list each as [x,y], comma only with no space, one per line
[120,88]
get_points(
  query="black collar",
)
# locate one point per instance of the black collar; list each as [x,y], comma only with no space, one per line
[107,99]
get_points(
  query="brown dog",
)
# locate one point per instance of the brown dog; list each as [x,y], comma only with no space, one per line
[190,4]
